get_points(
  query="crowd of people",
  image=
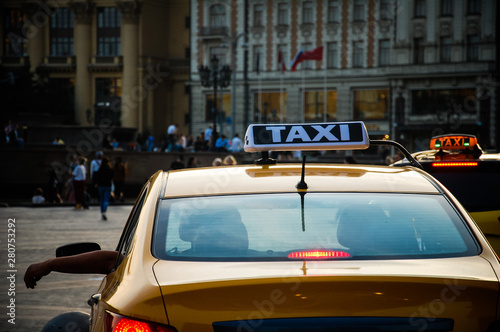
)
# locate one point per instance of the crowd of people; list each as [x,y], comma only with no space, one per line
[84,182]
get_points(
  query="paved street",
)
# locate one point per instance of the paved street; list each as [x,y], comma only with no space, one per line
[38,231]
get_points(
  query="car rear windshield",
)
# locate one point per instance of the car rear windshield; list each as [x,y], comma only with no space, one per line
[475,187]
[312,226]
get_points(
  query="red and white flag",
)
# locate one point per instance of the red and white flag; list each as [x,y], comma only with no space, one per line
[316,54]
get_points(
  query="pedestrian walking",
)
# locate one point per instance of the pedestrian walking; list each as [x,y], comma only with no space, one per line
[104,180]
[94,167]
[79,177]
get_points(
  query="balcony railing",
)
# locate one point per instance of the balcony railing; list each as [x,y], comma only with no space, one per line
[58,63]
[214,32]
[106,63]
[15,61]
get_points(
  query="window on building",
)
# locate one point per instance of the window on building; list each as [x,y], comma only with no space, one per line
[61,33]
[61,92]
[445,49]
[420,8]
[258,58]
[332,55]
[385,10]
[108,91]
[307,12]
[418,51]
[446,7]
[333,11]
[108,87]
[384,52]
[108,31]
[258,15]
[281,64]
[357,54]
[359,10]
[270,107]
[217,16]
[315,109]
[371,104]
[474,7]
[282,14]
[432,102]
[223,108]
[14,43]
[472,48]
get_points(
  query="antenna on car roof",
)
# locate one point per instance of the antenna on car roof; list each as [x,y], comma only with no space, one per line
[302,189]
[401,148]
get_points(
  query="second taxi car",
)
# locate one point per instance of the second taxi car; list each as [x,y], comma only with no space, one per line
[472,176]
[300,247]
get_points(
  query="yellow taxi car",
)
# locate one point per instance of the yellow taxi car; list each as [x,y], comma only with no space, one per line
[473,176]
[299,247]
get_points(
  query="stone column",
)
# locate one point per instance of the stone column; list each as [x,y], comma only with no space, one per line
[83,82]
[37,19]
[132,91]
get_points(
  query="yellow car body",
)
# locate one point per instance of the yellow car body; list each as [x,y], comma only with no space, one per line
[246,296]
[299,247]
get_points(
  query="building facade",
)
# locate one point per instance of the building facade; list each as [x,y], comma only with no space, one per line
[408,69]
[123,63]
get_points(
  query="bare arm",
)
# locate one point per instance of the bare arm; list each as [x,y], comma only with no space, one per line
[100,262]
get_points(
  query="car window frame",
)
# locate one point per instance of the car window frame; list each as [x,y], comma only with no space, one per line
[123,246]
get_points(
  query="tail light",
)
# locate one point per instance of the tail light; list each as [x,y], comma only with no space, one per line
[455,164]
[119,323]
[318,254]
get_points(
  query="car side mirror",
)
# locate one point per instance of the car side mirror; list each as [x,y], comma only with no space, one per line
[76,248]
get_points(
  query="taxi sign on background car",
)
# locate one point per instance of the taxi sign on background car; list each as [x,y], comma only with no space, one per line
[453,142]
[311,136]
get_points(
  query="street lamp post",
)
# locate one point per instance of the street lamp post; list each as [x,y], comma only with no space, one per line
[210,77]
[234,44]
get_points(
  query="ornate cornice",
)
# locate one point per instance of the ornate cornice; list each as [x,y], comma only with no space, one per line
[83,11]
[130,11]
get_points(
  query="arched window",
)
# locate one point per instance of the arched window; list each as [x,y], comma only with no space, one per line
[217,16]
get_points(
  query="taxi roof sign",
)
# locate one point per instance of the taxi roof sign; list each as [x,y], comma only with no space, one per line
[453,142]
[307,136]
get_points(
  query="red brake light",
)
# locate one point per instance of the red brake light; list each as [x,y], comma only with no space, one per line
[455,164]
[130,325]
[118,323]
[318,254]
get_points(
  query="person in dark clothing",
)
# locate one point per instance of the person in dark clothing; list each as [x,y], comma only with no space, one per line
[119,178]
[177,163]
[104,181]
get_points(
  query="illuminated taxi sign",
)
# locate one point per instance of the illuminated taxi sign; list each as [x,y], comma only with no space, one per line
[310,136]
[453,142]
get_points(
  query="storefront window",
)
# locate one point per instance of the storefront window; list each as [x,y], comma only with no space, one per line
[371,104]
[222,111]
[438,101]
[270,107]
[314,106]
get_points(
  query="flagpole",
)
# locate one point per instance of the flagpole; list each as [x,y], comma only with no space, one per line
[303,69]
[260,100]
[325,99]
[281,97]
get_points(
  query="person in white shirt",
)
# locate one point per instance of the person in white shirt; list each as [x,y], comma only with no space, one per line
[236,144]
[79,176]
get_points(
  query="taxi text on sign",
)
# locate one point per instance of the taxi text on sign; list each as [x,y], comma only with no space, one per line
[315,136]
